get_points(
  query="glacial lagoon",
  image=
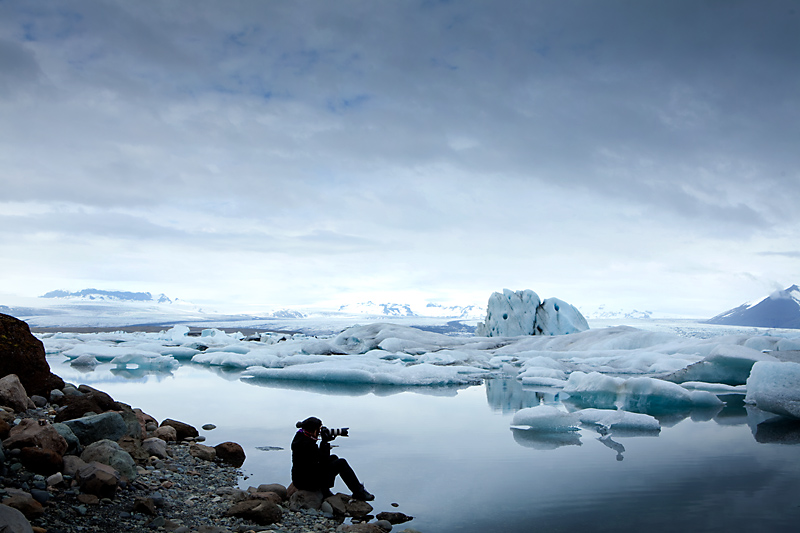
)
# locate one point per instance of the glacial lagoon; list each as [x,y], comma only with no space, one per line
[448,455]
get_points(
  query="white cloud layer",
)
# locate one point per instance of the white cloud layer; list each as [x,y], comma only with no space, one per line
[274,154]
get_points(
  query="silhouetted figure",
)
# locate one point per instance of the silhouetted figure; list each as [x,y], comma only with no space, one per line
[313,466]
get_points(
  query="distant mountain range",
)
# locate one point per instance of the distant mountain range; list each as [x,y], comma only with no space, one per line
[604,312]
[406,310]
[781,309]
[113,296]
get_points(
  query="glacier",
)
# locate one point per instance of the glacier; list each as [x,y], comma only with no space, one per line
[617,368]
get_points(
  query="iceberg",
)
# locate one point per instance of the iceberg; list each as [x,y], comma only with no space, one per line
[638,394]
[512,314]
[775,387]
[545,418]
[619,421]
[726,364]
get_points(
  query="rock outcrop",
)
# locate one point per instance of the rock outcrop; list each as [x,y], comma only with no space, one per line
[23,354]
[512,314]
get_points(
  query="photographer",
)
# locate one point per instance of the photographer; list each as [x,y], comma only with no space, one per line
[314,468]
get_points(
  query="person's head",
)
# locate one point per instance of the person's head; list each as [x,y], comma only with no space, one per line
[310,425]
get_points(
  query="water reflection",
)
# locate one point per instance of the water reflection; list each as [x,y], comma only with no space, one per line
[352,389]
[778,431]
[139,373]
[509,396]
[545,441]
[614,445]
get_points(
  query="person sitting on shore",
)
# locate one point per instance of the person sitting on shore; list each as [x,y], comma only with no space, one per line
[313,466]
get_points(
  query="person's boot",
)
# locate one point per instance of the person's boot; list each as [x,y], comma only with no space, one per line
[362,494]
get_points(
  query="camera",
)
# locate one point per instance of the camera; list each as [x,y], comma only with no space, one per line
[330,434]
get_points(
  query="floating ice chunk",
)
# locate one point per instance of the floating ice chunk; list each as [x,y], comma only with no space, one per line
[177,333]
[775,387]
[144,359]
[541,381]
[354,369]
[101,351]
[361,339]
[217,336]
[729,364]
[230,348]
[85,360]
[179,352]
[449,357]
[618,420]
[761,343]
[650,395]
[714,387]
[788,344]
[539,372]
[639,394]
[235,359]
[404,345]
[545,418]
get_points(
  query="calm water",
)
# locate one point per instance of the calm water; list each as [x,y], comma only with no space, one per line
[449,457]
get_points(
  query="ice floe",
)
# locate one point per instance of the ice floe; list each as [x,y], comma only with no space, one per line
[614,368]
[775,387]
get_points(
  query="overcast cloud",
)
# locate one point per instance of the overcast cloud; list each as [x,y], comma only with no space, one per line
[635,154]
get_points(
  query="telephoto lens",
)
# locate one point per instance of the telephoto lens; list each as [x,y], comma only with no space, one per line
[330,434]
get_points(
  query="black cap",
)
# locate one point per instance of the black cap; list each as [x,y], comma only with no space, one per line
[310,424]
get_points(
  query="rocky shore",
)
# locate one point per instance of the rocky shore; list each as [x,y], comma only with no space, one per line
[75,460]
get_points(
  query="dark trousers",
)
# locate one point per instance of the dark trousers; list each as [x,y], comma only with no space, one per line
[340,467]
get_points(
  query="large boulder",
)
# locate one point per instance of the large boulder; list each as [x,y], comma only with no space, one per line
[93,428]
[182,429]
[39,461]
[13,520]
[512,314]
[231,453]
[23,354]
[206,453]
[155,447]
[30,433]
[23,502]
[90,401]
[304,499]
[73,444]
[13,394]
[110,453]
[261,512]
[98,479]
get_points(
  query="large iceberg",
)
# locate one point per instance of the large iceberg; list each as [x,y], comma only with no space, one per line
[512,314]
[638,394]
[775,387]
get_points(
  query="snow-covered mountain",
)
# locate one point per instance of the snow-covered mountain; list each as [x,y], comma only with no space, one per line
[781,309]
[603,312]
[108,296]
[113,308]
[407,310]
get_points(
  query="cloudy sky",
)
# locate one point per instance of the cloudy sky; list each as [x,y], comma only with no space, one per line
[638,154]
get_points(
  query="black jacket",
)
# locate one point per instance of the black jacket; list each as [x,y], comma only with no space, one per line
[309,462]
